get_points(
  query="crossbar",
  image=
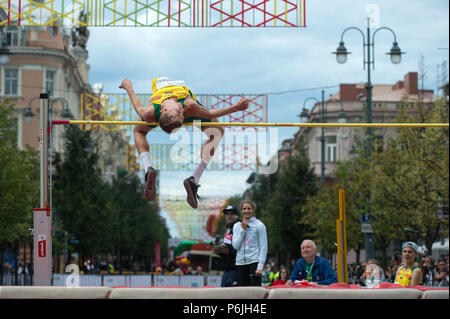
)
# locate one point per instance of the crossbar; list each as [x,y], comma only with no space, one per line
[89,122]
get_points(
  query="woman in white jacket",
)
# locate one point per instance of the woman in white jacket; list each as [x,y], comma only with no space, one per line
[250,241]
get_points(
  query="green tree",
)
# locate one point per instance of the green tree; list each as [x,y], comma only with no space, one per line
[283,210]
[137,226]
[411,174]
[322,210]
[19,183]
[399,185]
[81,197]
[103,218]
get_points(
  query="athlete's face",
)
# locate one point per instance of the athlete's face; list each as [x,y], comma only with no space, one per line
[247,210]
[409,255]
[175,109]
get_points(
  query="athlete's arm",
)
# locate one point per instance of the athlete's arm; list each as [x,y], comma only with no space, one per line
[416,277]
[146,113]
[197,110]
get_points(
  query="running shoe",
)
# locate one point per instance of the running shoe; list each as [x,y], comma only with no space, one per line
[150,189]
[191,189]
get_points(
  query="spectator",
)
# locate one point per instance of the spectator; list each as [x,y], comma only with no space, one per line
[314,269]
[136,266]
[265,276]
[353,273]
[103,265]
[189,271]
[250,241]
[441,279]
[363,276]
[284,277]
[178,270]
[110,268]
[391,270]
[373,271]
[200,272]
[20,269]
[274,274]
[409,274]
[428,271]
[272,262]
[170,266]
[227,252]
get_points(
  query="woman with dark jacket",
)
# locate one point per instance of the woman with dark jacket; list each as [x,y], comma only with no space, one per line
[226,251]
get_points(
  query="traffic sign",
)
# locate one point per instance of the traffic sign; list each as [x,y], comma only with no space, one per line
[365,217]
[366,228]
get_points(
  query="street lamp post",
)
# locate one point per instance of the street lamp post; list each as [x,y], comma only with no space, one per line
[342,116]
[323,119]
[341,57]
[65,113]
[42,217]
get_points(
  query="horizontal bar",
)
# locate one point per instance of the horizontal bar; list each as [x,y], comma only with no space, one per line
[89,122]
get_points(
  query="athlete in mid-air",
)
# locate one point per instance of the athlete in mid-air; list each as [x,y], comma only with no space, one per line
[172,104]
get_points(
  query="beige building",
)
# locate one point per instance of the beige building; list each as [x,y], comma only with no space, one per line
[54,59]
[41,60]
[352,99]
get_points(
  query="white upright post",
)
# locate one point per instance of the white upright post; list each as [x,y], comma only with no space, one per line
[42,216]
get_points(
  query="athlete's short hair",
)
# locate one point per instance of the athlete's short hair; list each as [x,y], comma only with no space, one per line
[168,124]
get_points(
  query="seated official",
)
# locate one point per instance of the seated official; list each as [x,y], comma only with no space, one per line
[316,270]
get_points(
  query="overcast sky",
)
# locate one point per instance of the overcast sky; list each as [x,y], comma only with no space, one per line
[258,60]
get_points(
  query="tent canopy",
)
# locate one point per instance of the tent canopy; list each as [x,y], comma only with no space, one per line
[187,245]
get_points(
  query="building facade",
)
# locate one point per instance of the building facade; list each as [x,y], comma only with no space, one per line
[53,59]
[41,60]
[351,98]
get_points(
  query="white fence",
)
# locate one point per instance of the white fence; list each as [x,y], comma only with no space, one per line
[63,280]
[139,280]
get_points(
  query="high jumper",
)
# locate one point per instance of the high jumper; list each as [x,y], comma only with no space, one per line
[172,104]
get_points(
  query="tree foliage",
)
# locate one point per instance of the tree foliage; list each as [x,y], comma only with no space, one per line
[411,174]
[322,209]
[280,199]
[19,182]
[398,185]
[101,217]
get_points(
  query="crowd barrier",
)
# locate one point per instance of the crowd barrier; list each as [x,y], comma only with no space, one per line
[126,280]
[10,279]
[232,293]
[156,286]
[62,280]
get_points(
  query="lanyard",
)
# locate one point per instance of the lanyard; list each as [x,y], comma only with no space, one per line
[310,270]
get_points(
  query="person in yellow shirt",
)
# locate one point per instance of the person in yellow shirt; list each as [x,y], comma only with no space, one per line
[172,104]
[409,274]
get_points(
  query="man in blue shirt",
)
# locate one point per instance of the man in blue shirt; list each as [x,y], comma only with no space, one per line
[316,270]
